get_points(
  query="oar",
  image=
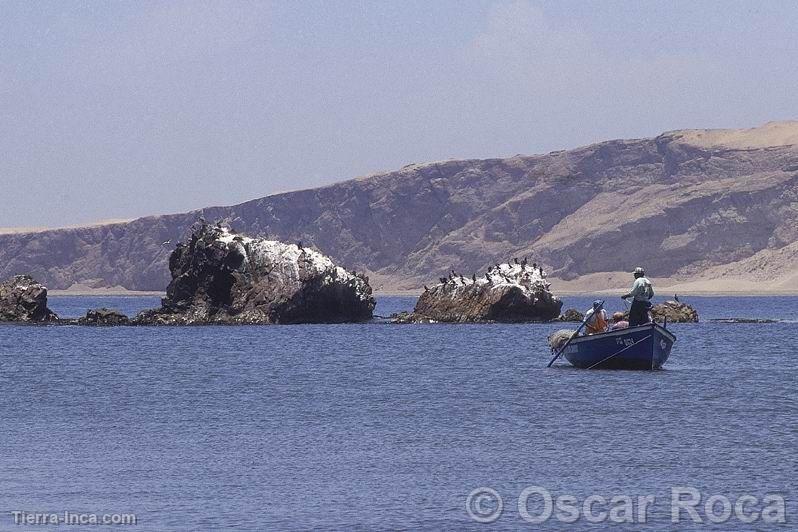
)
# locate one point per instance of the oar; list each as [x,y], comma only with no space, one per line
[584,322]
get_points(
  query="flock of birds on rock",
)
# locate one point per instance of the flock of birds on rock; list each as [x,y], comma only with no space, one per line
[222,224]
[494,272]
[454,278]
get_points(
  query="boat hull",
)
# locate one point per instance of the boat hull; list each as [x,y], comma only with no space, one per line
[646,347]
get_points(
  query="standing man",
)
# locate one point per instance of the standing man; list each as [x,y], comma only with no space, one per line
[642,292]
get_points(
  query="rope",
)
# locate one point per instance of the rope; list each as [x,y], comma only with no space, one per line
[621,351]
[652,360]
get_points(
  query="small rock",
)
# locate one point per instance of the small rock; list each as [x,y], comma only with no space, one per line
[675,312]
[104,316]
[572,315]
[409,317]
[401,317]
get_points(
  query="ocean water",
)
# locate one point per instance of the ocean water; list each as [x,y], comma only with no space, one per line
[389,427]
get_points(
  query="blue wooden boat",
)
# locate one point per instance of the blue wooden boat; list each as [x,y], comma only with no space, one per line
[643,347]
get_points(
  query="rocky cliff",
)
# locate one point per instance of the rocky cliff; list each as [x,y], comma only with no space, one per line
[686,204]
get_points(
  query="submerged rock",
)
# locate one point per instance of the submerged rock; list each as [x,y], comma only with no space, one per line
[511,293]
[409,317]
[104,316]
[23,299]
[572,315]
[221,277]
[675,312]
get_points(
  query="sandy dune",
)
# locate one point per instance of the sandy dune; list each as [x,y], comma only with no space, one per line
[771,134]
[22,230]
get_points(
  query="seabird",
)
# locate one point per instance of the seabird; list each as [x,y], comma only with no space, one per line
[515,260]
[462,278]
[299,245]
[426,289]
[676,298]
[474,277]
[490,268]
[442,280]
[534,265]
[167,242]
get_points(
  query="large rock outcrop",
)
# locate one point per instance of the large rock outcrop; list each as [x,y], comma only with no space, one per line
[690,205]
[508,293]
[223,277]
[22,299]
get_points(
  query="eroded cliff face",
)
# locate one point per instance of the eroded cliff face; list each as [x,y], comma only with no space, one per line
[684,204]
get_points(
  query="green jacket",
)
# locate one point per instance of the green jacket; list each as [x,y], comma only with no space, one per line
[642,289]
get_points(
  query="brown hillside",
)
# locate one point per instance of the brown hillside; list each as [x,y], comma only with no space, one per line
[698,204]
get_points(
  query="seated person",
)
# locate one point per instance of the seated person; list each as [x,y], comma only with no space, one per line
[596,319]
[618,322]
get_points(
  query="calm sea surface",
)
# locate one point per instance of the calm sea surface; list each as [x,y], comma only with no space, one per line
[386,427]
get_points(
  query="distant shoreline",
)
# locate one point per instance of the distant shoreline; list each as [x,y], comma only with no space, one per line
[22,230]
[105,292]
[691,293]
[415,293]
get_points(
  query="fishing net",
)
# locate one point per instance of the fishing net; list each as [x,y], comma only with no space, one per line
[557,339]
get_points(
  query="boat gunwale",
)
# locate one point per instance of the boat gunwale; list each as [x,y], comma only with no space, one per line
[620,332]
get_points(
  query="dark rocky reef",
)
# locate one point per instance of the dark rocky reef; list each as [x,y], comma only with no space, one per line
[675,312]
[744,320]
[104,316]
[509,293]
[22,299]
[221,277]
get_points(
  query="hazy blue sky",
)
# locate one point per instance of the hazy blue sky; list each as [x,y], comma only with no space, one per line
[121,109]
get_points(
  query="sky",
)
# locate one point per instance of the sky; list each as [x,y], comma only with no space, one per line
[113,110]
